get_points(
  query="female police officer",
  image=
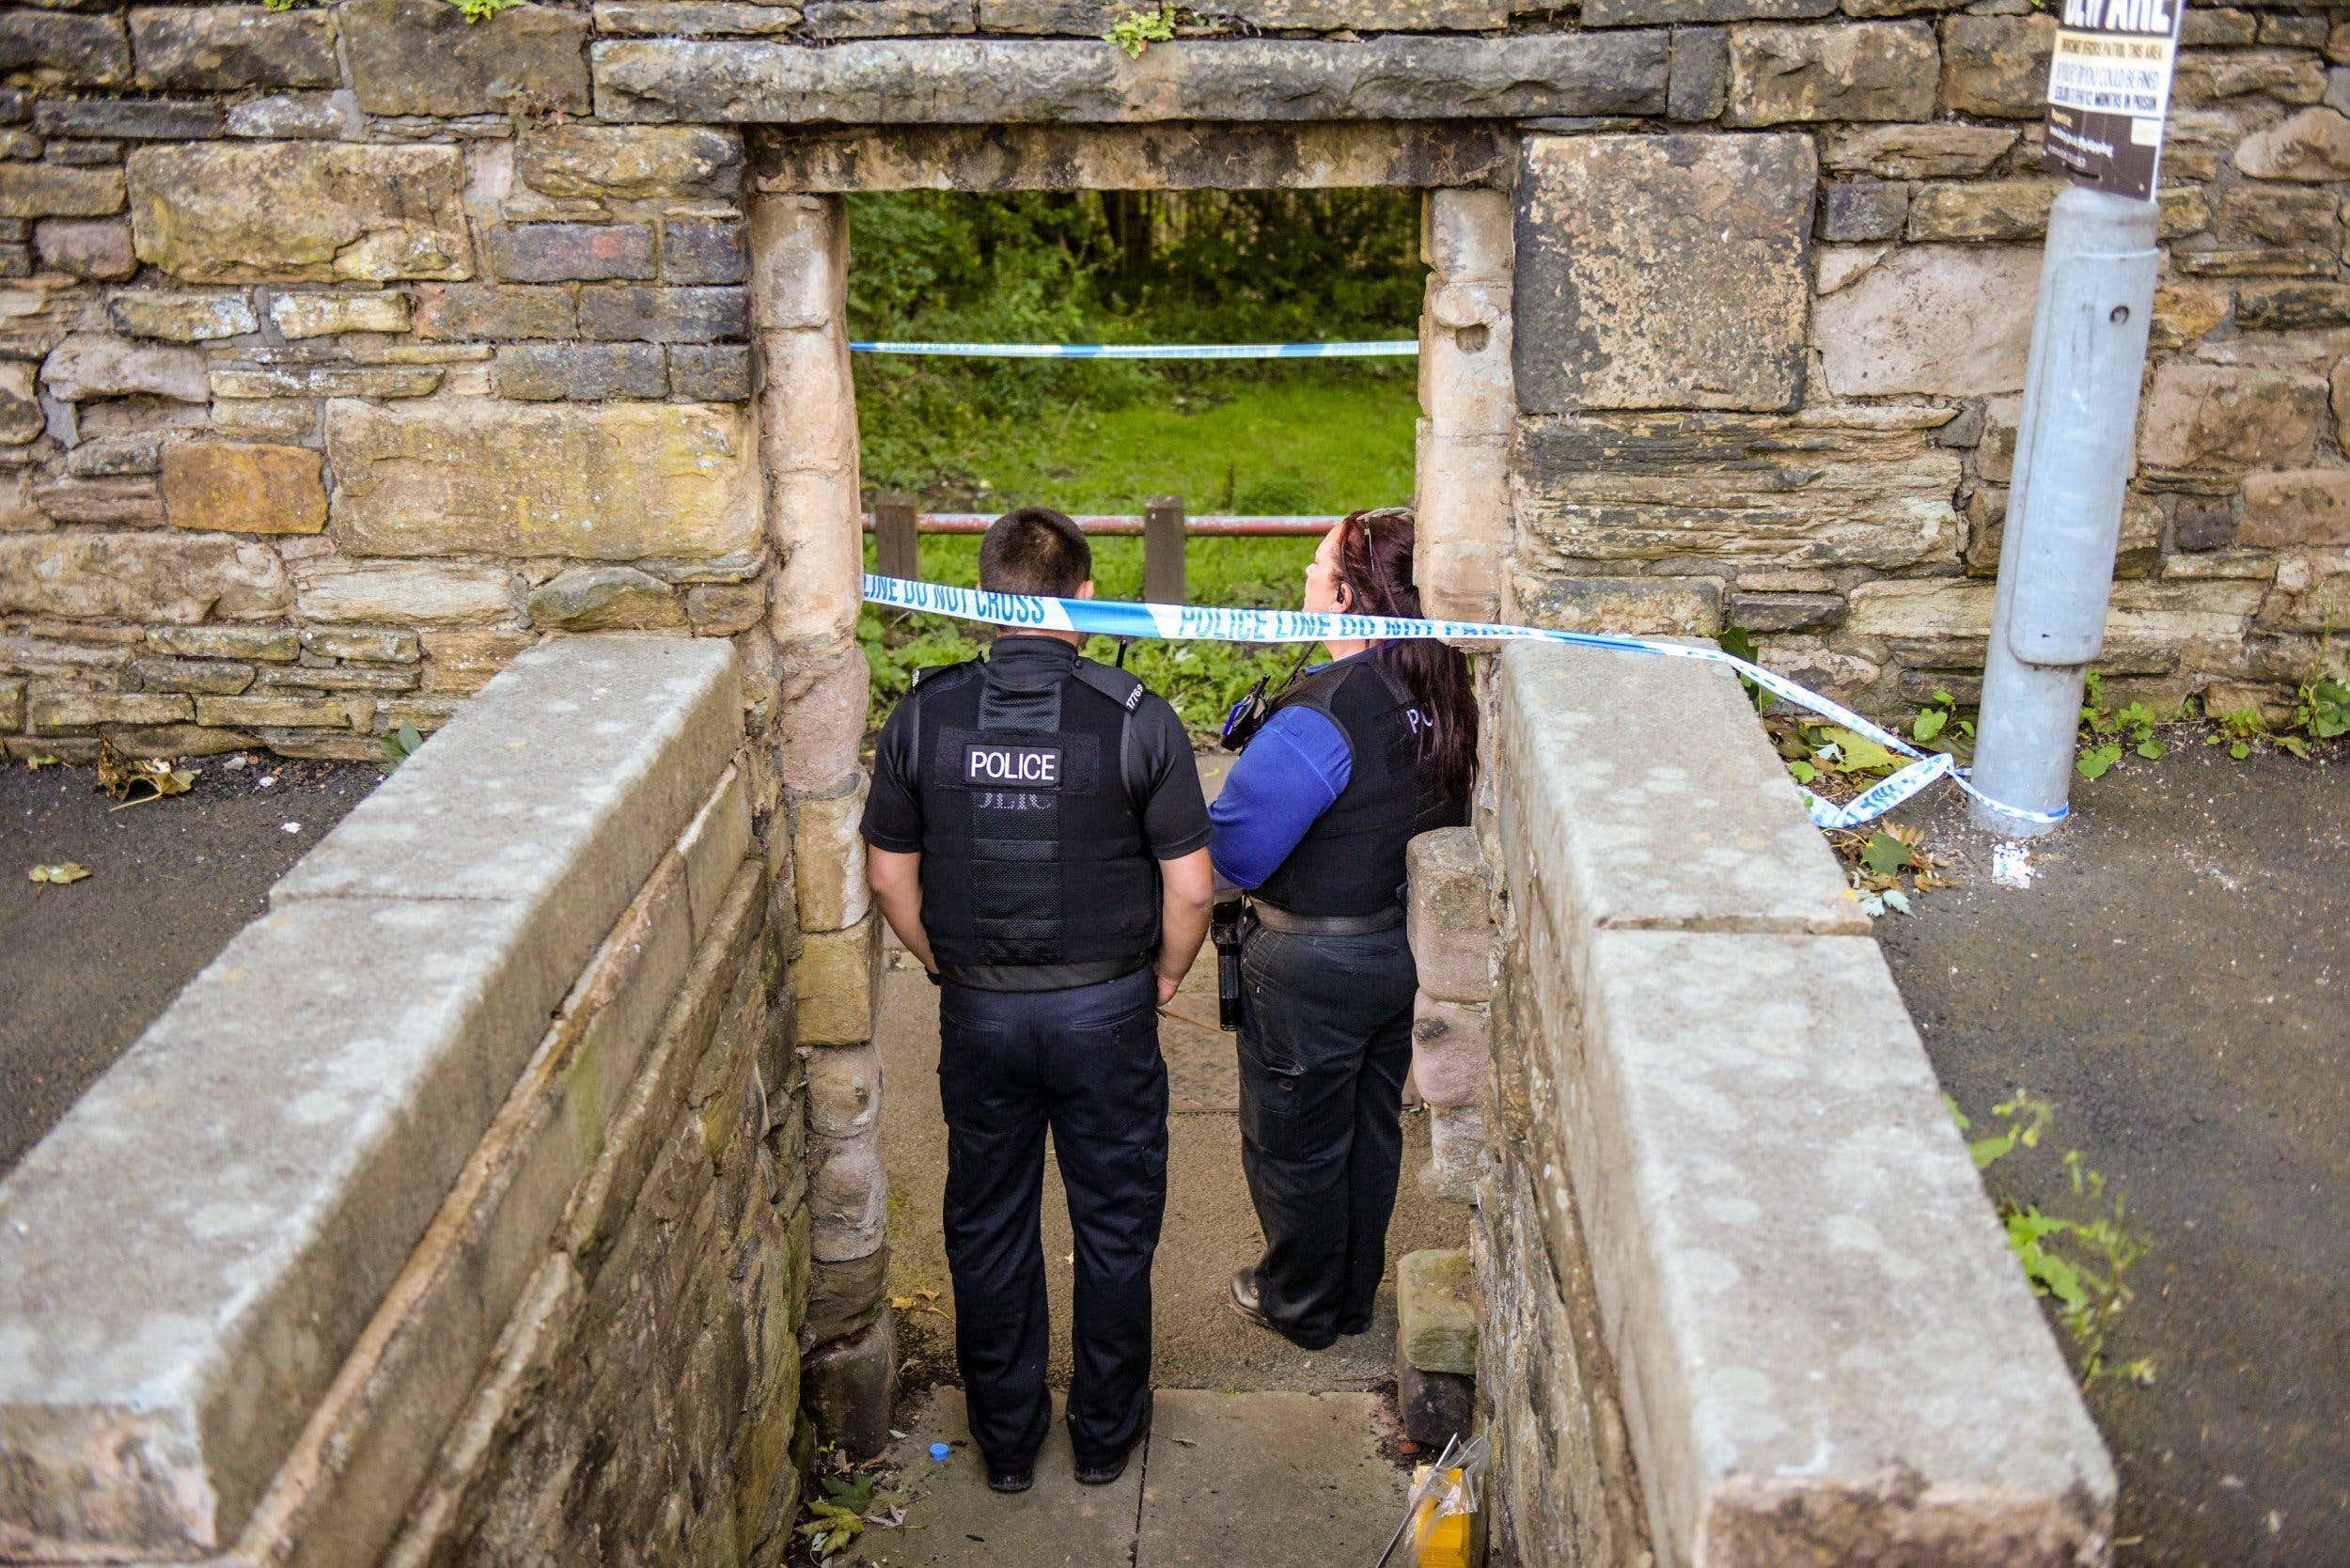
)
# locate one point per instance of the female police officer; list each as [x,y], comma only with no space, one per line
[1352,759]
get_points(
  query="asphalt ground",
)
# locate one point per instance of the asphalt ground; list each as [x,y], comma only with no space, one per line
[2175,982]
[86,967]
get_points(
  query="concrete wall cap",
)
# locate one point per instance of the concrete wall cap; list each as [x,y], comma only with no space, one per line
[186,1259]
[1699,827]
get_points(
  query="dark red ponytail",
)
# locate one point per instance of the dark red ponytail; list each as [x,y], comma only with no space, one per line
[1374,561]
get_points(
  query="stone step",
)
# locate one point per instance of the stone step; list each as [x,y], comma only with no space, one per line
[1289,1478]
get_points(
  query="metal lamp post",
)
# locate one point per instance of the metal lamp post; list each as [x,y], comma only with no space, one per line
[2064,510]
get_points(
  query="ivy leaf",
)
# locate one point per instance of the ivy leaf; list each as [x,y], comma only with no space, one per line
[1804,772]
[1928,724]
[2150,748]
[2097,760]
[1856,753]
[1885,855]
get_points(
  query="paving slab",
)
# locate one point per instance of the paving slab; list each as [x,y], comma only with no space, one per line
[951,1517]
[1268,1478]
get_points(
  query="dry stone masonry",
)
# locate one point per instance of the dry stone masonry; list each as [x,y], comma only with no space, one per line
[362,317]
[1743,1298]
[458,1212]
[349,353]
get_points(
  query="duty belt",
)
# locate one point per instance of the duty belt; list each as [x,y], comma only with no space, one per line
[1274,918]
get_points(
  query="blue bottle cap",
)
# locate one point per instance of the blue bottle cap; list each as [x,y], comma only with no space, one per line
[938,1451]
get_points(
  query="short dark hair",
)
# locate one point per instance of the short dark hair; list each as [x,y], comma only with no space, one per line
[1035,550]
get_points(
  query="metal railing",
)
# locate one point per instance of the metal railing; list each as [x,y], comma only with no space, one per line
[898,525]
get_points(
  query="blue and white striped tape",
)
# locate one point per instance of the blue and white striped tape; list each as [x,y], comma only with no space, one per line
[1149,351]
[1123,619]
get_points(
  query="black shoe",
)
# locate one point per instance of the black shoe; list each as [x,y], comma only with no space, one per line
[1244,1300]
[1012,1480]
[1101,1472]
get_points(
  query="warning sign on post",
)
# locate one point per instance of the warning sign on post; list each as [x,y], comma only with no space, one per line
[2108,89]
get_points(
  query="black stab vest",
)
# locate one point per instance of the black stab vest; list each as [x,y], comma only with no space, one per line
[1351,861]
[1035,873]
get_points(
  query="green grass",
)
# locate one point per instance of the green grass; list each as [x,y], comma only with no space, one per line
[1100,436]
[1243,441]
[1313,438]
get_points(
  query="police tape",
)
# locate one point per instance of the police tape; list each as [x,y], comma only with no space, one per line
[1125,619]
[1148,351]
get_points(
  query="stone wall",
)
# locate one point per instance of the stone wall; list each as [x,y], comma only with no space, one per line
[346,351]
[458,1212]
[1745,1298]
[1769,366]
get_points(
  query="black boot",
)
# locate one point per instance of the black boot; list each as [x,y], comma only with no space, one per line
[1244,1299]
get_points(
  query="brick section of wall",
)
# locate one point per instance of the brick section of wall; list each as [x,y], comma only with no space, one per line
[507,1250]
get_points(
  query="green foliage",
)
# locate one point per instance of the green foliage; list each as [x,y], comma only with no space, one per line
[1134,31]
[2321,712]
[1201,678]
[839,1516]
[481,10]
[2079,1263]
[1739,644]
[1880,858]
[1100,436]
[1883,853]
[288,5]
[401,745]
[2322,708]
[2104,732]
[1077,267]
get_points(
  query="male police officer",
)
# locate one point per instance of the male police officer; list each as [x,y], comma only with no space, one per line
[1039,842]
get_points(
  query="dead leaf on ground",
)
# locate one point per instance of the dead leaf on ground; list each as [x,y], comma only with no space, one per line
[59,874]
[123,777]
[39,760]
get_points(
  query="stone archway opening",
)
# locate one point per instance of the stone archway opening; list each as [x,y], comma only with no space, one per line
[809,450]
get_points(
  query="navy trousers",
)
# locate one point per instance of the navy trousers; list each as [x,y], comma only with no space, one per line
[1084,1062]
[1325,1041]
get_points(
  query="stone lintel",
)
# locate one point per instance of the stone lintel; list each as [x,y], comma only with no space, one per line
[1840,485]
[187,1258]
[1164,156]
[996,82]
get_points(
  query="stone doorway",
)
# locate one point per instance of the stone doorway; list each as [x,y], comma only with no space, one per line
[808,453]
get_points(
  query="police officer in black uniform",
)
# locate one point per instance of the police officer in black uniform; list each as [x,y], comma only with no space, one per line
[1038,840]
[1348,765]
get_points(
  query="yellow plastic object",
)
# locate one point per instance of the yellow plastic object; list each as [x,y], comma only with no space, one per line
[1441,1540]
[1446,1543]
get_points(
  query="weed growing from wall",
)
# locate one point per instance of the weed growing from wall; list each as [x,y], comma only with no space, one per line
[1135,31]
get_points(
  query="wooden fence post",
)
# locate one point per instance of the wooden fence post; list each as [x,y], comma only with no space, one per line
[897,542]
[1163,550]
